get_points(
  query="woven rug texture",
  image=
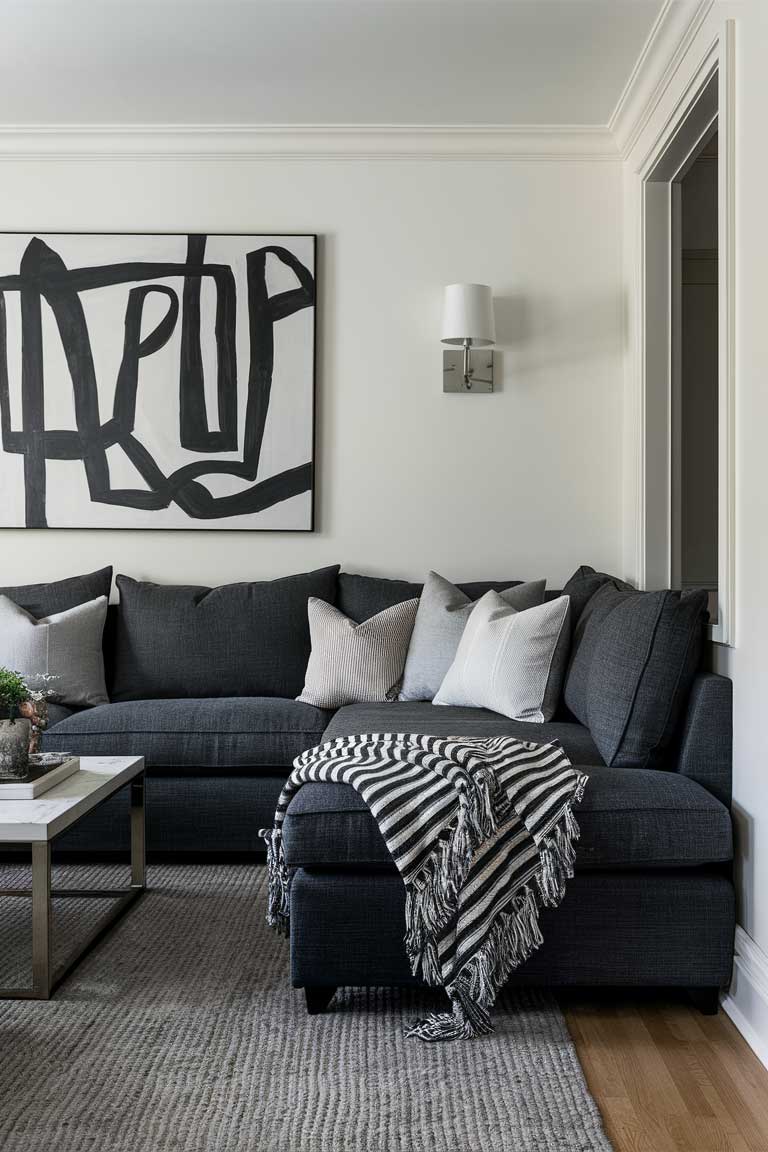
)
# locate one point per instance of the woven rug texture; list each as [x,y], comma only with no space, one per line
[180,1032]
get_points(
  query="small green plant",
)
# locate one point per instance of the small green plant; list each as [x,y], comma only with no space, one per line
[13,693]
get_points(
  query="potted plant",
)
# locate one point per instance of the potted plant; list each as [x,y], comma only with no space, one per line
[15,730]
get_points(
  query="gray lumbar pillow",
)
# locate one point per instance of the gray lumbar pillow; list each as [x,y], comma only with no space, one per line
[510,662]
[440,622]
[356,663]
[66,646]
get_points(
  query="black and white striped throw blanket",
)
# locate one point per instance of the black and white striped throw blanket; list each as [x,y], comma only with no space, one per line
[482,834]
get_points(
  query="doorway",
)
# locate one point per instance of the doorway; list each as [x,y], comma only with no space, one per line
[686,354]
[694,375]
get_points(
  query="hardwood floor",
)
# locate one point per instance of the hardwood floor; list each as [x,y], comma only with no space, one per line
[668,1079]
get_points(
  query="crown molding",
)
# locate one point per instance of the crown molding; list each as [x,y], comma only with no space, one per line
[668,41]
[306,142]
[674,29]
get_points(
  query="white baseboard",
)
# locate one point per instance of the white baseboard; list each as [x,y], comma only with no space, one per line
[747,999]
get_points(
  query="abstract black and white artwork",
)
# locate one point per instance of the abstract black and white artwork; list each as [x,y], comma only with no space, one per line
[157,381]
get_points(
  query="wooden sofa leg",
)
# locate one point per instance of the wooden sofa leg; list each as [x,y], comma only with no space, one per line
[707,1000]
[318,999]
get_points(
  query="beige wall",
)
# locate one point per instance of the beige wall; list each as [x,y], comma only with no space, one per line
[522,483]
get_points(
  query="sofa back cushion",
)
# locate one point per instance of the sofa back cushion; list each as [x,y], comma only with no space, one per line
[361,597]
[635,655]
[60,595]
[184,641]
[582,586]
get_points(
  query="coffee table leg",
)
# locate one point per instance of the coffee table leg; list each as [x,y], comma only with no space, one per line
[138,849]
[41,920]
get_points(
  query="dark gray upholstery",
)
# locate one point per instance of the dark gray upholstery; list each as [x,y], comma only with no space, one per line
[635,656]
[582,586]
[705,745]
[361,597]
[257,733]
[214,813]
[613,928]
[448,720]
[60,595]
[652,901]
[628,819]
[57,713]
[237,640]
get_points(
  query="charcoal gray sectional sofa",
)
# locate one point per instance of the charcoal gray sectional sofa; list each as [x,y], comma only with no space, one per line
[202,684]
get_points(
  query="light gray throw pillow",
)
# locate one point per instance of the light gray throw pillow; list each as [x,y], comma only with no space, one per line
[66,645]
[440,622]
[356,663]
[510,662]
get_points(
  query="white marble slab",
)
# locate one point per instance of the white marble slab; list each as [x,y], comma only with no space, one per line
[24,821]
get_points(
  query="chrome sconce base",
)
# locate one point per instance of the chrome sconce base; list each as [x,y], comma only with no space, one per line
[474,376]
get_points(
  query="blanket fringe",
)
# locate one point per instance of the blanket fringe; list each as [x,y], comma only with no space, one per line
[513,937]
[278,881]
[432,896]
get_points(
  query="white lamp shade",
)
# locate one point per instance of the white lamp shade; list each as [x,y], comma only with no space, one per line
[468,315]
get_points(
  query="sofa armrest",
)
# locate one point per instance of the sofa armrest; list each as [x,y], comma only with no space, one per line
[705,748]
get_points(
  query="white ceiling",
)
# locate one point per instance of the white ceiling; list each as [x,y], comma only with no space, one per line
[317,61]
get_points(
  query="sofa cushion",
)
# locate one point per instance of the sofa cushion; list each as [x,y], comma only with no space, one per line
[57,713]
[361,597]
[448,720]
[65,646]
[176,641]
[353,662]
[60,595]
[440,622]
[582,586]
[635,655]
[628,819]
[510,662]
[241,732]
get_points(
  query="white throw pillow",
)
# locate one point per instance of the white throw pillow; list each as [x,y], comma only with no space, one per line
[440,622]
[510,662]
[356,663]
[66,645]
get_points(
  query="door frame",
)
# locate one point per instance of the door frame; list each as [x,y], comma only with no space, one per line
[707,100]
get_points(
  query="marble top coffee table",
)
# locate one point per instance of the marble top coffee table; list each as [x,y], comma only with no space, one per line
[37,823]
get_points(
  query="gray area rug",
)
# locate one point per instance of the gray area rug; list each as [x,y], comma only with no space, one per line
[181,1032]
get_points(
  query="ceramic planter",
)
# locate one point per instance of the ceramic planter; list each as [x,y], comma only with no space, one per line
[14,748]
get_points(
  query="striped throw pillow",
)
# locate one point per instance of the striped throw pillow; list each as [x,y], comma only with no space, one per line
[356,663]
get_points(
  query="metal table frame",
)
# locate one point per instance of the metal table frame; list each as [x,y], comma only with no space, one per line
[44,978]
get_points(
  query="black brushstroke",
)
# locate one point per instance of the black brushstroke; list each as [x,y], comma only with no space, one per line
[44,276]
[195,433]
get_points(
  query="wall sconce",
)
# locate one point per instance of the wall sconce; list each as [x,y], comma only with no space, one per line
[468,322]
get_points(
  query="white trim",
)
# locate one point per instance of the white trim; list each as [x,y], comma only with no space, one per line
[724,632]
[672,33]
[670,37]
[747,1000]
[307,141]
[718,54]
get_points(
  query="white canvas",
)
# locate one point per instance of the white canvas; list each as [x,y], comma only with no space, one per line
[77,452]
